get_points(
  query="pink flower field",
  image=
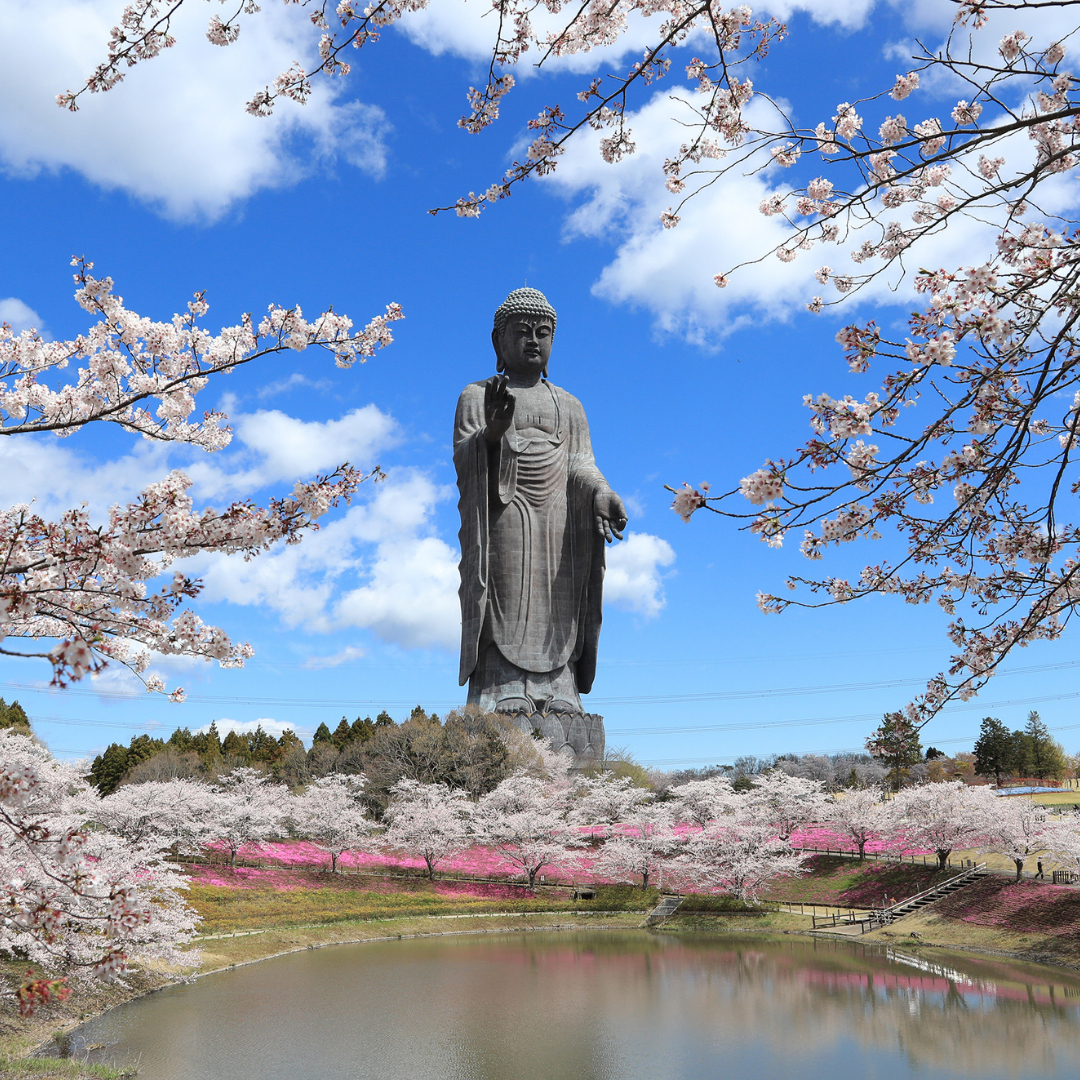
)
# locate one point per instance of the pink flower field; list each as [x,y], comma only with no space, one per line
[821,836]
[1022,906]
[300,855]
[286,879]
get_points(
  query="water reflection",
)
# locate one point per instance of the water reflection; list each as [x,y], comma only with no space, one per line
[606,1006]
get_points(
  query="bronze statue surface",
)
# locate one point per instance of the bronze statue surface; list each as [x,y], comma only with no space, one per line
[535,515]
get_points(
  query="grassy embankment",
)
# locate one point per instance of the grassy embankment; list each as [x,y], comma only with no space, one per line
[309,898]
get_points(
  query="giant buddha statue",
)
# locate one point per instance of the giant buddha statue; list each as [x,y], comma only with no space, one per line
[536,513]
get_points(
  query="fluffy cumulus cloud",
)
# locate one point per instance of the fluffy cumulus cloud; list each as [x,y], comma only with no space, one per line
[273,447]
[379,567]
[19,316]
[466,28]
[54,476]
[669,272]
[175,132]
[634,579]
[270,450]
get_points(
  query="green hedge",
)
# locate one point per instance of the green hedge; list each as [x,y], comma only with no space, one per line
[724,904]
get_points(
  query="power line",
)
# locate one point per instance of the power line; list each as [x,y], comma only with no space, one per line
[657,699]
[695,729]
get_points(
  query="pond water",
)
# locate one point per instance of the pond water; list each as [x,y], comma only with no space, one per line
[604,1006]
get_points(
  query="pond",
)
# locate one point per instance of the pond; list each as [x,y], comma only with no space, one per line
[604,1006]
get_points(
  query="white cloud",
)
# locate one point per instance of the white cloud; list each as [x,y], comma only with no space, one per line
[411,596]
[467,28]
[377,568]
[294,380]
[269,448]
[174,133]
[277,447]
[54,477]
[848,14]
[345,656]
[19,316]
[669,272]
[633,580]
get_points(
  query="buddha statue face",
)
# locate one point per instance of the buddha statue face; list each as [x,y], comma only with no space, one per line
[523,346]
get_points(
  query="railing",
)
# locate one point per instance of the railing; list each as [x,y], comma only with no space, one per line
[883,916]
[888,856]
[822,911]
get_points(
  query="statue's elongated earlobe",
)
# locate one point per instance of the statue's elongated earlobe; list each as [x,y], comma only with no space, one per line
[500,367]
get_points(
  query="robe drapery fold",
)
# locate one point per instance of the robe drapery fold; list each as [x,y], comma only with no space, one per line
[532,562]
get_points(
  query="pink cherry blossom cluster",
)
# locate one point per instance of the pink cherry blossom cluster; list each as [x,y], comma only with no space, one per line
[77,896]
[688,499]
[764,486]
[85,583]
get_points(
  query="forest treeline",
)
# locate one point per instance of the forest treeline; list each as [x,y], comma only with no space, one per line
[469,750]
[474,751]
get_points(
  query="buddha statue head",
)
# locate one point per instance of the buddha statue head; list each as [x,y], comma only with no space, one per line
[523,332]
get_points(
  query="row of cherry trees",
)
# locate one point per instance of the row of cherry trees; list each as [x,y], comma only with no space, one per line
[91,882]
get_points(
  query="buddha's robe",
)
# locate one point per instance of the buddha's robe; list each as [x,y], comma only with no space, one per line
[532,562]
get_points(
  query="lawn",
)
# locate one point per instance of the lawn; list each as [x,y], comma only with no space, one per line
[833,879]
[1066,799]
[239,900]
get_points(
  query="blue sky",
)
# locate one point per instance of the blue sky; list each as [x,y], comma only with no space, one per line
[170,188]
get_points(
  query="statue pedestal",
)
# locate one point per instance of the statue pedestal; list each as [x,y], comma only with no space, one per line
[581,733]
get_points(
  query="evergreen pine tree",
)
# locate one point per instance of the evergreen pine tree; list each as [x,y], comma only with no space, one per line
[993,749]
[322,734]
[14,716]
[342,734]
[362,730]
[1040,745]
[108,768]
[1020,763]
[896,745]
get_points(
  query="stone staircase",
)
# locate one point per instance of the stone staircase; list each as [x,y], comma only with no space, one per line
[667,907]
[872,920]
[920,900]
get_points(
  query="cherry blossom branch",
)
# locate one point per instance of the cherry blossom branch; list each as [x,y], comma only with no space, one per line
[86,583]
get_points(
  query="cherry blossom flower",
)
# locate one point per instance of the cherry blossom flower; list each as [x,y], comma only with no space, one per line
[764,485]
[687,500]
[904,85]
